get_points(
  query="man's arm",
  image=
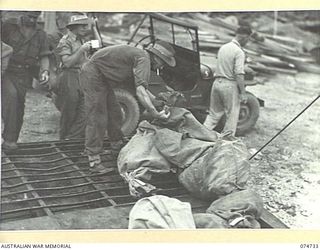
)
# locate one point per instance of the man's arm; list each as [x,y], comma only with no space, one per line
[44,57]
[157,103]
[151,96]
[44,63]
[239,74]
[44,69]
[70,60]
[240,83]
[241,87]
[145,100]
[141,72]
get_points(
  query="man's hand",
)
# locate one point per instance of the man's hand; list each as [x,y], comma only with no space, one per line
[44,77]
[86,46]
[164,114]
[243,98]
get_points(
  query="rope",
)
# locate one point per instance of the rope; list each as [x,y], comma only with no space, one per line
[285,127]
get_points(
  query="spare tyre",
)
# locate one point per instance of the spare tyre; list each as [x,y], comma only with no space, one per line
[130,111]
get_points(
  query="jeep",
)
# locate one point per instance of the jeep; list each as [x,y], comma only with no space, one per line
[190,77]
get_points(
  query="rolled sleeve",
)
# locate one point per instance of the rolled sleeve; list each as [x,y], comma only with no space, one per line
[64,48]
[141,71]
[239,63]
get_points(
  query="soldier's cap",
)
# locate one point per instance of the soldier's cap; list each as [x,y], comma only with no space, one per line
[244,30]
[80,19]
[163,50]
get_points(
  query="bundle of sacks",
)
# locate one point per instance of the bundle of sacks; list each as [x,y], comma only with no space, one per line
[237,210]
[209,164]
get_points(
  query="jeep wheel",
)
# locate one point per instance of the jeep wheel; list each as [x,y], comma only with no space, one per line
[248,116]
[130,110]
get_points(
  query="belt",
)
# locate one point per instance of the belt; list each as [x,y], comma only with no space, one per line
[224,78]
[74,69]
[19,66]
[64,68]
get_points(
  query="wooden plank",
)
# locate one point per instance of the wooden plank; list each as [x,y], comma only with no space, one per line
[50,22]
[268,220]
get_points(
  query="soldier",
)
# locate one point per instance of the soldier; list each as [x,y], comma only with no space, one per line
[112,66]
[73,53]
[228,89]
[29,60]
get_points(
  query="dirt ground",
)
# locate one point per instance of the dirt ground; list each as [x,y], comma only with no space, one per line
[287,172]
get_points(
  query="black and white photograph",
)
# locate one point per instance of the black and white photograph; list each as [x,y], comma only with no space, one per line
[160,120]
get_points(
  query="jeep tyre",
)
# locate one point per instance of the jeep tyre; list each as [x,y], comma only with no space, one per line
[130,110]
[248,116]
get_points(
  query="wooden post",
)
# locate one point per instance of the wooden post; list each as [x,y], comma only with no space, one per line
[275,23]
[50,25]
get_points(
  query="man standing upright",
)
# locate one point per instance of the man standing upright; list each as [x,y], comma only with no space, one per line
[73,53]
[30,51]
[228,89]
[112,66]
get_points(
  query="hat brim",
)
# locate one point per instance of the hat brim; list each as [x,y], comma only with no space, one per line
[171,61]
[80,22]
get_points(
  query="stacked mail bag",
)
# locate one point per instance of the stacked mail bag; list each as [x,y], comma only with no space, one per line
[209,164]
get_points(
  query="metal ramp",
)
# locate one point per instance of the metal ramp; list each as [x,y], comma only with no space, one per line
[48,178]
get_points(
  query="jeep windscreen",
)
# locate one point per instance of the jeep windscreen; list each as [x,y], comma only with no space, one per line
[183,38]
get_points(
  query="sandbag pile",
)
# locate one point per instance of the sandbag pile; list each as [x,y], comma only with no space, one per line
[208,163]
[221,170]
[237,210]
[161,212]
[139,159]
